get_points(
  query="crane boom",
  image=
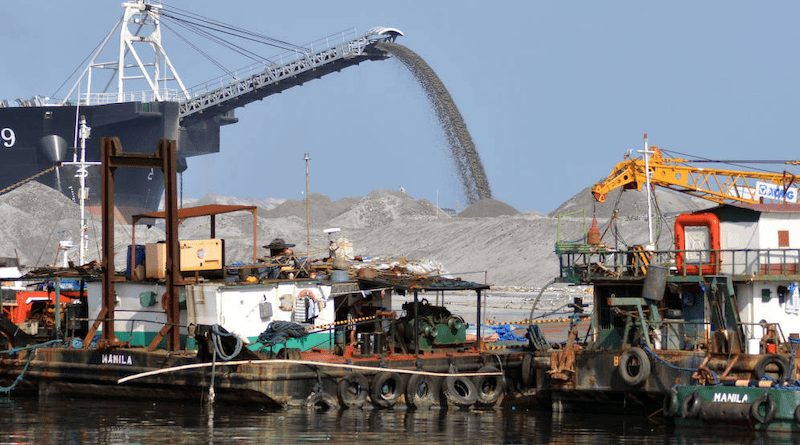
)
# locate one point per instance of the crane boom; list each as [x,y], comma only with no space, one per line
[720,186]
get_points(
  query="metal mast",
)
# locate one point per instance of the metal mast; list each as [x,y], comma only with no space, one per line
[140,24]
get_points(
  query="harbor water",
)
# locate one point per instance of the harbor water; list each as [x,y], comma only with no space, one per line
[31,420]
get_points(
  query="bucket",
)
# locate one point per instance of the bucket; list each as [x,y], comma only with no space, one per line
[338,276]
[754,346]
[655,282]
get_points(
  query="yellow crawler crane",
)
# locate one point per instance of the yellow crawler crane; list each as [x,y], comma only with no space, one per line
[720,186]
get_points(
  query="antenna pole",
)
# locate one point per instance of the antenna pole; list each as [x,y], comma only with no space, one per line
[308,212]
[85,131]
[647,152]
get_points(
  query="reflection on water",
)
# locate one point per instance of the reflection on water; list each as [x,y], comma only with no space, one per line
[78,421]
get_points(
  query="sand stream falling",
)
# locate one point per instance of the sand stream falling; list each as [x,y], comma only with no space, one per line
[462,149]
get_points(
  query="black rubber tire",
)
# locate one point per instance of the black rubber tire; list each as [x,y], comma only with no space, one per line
[321,400]
[353,390]
[422,391]
[490,387]
[634,367]
[460,391]
[528,373]
[387,387]
[772,359]
[673,314]
[690,407]
[770,409]
[671,403]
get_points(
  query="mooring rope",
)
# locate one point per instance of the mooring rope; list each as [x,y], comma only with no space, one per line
[8,389]
[217,337]
[13,186]
[302,362]
[666,363]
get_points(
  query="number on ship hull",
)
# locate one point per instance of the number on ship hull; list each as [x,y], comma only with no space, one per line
[8,136]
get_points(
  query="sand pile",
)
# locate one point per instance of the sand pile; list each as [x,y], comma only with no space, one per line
[489,241]
[488,208]
[320,208]
[382,207]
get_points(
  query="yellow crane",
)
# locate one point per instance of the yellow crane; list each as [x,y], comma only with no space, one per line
[721,186]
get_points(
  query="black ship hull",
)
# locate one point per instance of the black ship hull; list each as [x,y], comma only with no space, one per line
[28,135]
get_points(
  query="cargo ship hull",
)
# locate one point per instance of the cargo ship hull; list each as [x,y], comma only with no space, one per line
[35,138]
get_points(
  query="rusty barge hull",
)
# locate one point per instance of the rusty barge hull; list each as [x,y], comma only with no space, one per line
[308,379]
[596,379]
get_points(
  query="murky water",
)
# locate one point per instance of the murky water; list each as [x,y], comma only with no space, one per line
[78,421]
[462,149]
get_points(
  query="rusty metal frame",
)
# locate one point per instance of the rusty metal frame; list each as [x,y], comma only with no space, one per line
[165,159]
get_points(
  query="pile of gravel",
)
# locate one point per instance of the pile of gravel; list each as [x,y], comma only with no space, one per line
[632,204]
[320,208]
[488,208]
[382,207]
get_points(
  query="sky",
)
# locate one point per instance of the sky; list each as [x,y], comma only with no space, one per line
[553,93]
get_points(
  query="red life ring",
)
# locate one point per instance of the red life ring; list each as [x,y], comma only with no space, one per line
[708,220]
[306,293]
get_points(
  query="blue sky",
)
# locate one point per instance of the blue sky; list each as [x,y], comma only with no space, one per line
[553,93]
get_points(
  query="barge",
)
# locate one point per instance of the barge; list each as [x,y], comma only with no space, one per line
[718,303]
[280,331]
[765,405]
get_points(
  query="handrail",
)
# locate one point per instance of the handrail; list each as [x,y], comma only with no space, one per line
[583,265]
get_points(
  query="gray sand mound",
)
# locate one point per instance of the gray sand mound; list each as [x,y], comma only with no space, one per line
[630,203]
[489,241]
[488,208]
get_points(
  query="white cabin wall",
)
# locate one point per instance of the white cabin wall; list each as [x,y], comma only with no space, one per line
[738,235]
[238,309]
[771,223]
[129,314]
[752,309]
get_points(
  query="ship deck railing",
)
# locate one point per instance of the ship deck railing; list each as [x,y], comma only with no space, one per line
[585,263]
[144,96]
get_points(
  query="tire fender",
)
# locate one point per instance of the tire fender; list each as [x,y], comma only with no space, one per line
[489,387]
[778,360]
[634,366]
[353,390]
[321,400]
[690,407]
[422,390]
[387,387]
[460,391]
[671,403]
[528,373]
[770,408]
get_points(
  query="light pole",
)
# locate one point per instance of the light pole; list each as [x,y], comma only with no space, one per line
[308,212]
